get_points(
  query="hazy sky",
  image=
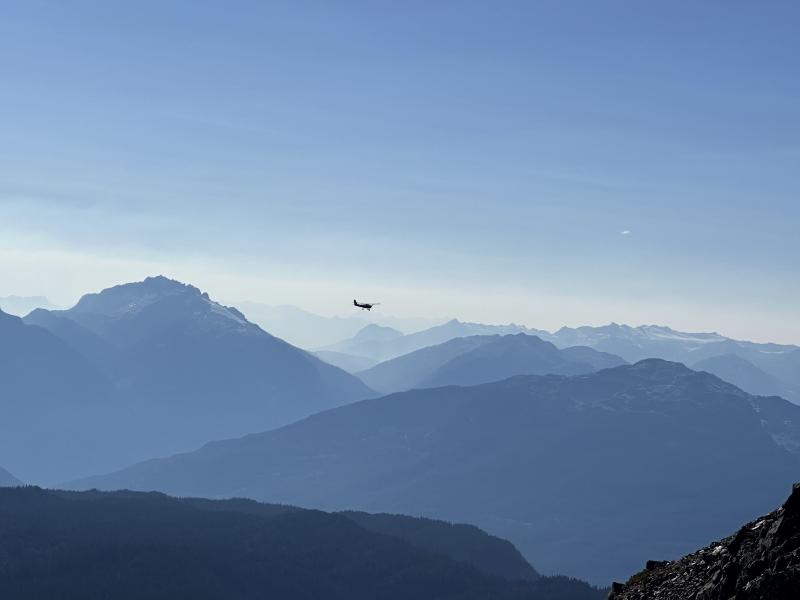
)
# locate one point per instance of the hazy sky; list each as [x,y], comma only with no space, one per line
[541,162]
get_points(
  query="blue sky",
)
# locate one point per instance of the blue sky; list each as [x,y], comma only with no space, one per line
[471,159]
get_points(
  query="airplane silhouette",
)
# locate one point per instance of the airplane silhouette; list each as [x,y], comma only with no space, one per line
[365,305]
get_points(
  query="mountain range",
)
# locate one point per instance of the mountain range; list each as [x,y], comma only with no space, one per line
[128,545]
[760,368]
[393,343]
[553,441]
[481,359]
[143,369]
[771,369]
[586,474]
[311,331]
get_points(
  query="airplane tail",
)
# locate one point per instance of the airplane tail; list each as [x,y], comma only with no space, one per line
[355,303]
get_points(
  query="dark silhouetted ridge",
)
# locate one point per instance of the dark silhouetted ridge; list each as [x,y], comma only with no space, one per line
[465,543]
[133,545]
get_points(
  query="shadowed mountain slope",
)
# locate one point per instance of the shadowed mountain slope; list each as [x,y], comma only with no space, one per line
[519,354]
[346,362]
[584,474]
[410,370]
[54,404]
[183,368]
[7,479]
[465,543]
[742,373]
[481,359]
[386,349]
[128,545]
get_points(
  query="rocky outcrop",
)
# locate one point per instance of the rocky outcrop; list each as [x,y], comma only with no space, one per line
[760,562]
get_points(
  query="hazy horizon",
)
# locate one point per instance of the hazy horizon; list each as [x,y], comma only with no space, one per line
[380,316]
[549,164]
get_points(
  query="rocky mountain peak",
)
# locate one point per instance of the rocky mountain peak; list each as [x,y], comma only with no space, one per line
[759,562]
[132,297]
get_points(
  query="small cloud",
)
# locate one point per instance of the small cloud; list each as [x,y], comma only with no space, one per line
[625,232]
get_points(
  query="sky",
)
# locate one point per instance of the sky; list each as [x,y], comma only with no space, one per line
[541,162]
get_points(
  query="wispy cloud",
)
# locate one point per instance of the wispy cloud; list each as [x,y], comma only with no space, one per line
[625,232]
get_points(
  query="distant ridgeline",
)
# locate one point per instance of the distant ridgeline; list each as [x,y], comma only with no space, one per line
[586,463]
[483,358]
[156,367]
[136,545]
[22,305]
[762,369]
[585,474]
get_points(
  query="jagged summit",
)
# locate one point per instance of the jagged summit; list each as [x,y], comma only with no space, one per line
[134,296]
[639,332]
[760,562]
[147,306]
